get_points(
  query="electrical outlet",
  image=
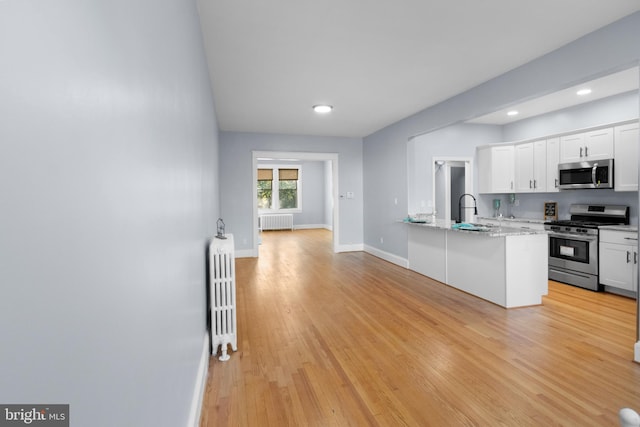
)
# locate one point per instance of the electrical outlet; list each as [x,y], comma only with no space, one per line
[382,240]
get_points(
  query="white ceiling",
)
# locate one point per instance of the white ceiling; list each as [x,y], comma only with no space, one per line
[375,62]
[613,84]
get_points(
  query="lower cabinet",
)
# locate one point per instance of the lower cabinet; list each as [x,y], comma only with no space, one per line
[619,259]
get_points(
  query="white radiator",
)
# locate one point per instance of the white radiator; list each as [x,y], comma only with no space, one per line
[276,222]
[223,296]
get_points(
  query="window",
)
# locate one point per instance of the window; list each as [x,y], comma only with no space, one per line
[279,188]
[265,188]
[288,188]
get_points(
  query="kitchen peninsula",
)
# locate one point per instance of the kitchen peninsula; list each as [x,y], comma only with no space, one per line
[503,265]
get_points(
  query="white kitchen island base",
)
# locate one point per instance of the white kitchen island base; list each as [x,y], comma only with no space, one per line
[507,267]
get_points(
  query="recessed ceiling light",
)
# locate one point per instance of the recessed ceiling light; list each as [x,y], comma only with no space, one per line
[322,108]
[512,113]
[583,92]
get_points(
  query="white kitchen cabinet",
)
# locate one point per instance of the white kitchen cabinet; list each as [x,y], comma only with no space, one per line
[619,259]
[592,145]
[626,157]
[495,168]
[540,166]
[571,148]
[524,160]
[531,167]
[553,159]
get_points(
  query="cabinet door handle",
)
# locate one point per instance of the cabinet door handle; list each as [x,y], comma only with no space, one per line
[628,257]
[512,185]
[530,184]
[586,151]
[556,182]
[630,238]
[635,257]
[580,151]
[535,184]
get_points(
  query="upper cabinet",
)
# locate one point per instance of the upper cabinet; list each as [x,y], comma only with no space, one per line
[531,167]
[495,169]
[593,145]
[553,159]
[625,163]
[528,167]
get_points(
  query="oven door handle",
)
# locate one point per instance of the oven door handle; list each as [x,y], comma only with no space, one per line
[583,237]
[593,174]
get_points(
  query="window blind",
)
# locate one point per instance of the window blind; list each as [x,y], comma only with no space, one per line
[265,174]
[288,174]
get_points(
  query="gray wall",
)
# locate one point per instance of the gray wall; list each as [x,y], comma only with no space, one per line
[313,195]
[108,177]
[385,182]
[609,49]
[456,141]
[236,176]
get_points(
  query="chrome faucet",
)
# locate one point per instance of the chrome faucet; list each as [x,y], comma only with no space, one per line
[460,207]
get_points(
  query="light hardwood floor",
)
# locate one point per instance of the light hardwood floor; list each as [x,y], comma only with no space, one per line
[348,339]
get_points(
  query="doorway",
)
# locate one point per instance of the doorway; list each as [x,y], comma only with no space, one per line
[331,181]
[452,177]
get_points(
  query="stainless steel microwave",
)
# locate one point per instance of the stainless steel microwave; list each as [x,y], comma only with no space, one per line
[587,174]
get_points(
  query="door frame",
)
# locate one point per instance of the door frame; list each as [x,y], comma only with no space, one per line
[293,155]
[468,180]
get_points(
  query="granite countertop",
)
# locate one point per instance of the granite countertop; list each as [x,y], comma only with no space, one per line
[485,230]
[506,219]
[632,228]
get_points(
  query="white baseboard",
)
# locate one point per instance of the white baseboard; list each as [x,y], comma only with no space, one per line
[357,247]
[394,259]
[200,386]
[636,352]
[308,226]
[246,253]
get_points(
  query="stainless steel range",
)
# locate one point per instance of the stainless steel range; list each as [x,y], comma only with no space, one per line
[573,244]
